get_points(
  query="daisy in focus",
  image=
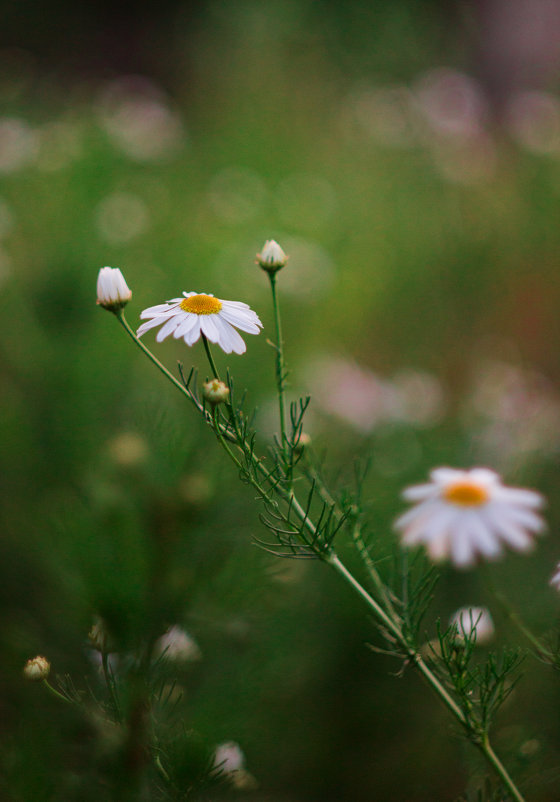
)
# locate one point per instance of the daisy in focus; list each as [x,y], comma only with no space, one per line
[464,514]
[197,314]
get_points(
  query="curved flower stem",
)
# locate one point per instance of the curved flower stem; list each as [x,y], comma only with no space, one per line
[516,619]
[387,619]
[483,743]
[213,367]
[357,537]
[124,323]
[500,769]
[110,683]
[56,693]
[279,348]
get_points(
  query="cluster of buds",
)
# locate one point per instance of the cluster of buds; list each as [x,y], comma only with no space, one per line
[272,257]
[112,290]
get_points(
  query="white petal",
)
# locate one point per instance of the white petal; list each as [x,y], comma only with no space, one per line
[241,313]
[150,324]
[519,495]
[445,475]
[193,334]
[208,327]
[240,322]
[514,536]
[237,304]
[420,492]
[186,325]
[462,551]
[483,475]
[235,340]
[160,309]
[426,524]
[527,519]
[224,341]
[481,535]
[169,327]
[438,549]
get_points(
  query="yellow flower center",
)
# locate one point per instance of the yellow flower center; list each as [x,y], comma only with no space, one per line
[201,305]
[466,494]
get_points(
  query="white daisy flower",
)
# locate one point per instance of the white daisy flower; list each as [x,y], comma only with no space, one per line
[471,622]
[198,313]
[461,515]
[555,581]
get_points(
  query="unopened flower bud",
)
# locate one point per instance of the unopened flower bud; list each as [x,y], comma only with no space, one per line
[37,669]
[215,391]
[303,442]
[112,289]
[272,257]
[472,622]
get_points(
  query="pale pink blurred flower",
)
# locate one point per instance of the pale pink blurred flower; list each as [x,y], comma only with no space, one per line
[451,103]
[463,514]
[178,646]
[136,115]
[121,217]
[18,144]
[533,119]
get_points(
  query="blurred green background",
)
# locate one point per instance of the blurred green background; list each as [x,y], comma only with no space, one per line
[407,156]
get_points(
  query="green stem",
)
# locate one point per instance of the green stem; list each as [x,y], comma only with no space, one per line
[331,557]
[110,683]
[210,357]
[55,693]
[124,323]
[429,676]
[279,348]
[516,619]
[500,769]
[314,475]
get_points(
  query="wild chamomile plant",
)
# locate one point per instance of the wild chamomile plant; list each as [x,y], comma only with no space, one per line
[459,515]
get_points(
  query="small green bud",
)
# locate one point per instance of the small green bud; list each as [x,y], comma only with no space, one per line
[215,392]
[272,257]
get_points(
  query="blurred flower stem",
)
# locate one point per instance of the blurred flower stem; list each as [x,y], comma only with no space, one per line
[280,370]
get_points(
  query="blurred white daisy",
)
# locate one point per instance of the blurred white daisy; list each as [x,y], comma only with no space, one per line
[177,645]
[461,515]
[471,622]
[198,313]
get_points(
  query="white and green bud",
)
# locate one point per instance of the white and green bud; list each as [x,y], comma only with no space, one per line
[471,623]
[112,290]
[215,392]
[272,257]
[37,669]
